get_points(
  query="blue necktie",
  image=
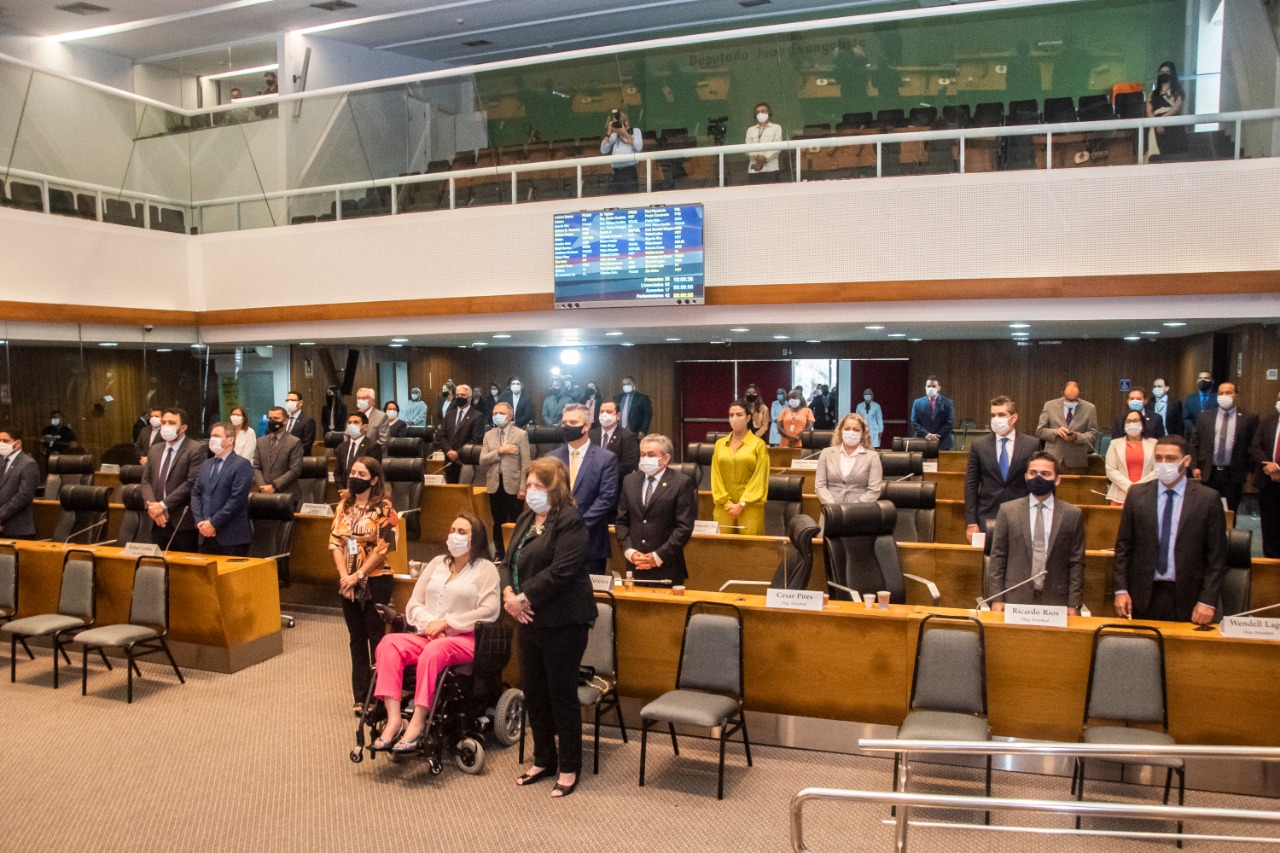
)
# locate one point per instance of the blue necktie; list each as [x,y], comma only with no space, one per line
[1165,560]
[217,472]
[1004,459]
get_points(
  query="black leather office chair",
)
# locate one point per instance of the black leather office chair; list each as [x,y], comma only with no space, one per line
[135,524]
[861,554]
[272,517]
[84,514]
[405,448]
[67,469]
[796,566]
[916,503]
[332,440]
[816,439]
[901,465]
[544,439]
[313,485]
[404,476]
[783,503]
[130,474]
[1237,583]
[927,446]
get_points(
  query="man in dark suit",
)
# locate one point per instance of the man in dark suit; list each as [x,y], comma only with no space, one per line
[297,424]
[656,511]
[277,463]
[635,410]
[593,478]
[521,403]
[463,425]
[1222,441]
[1171,550]
[997,467]
[220,497]
[57,437]
[1137,402]
[19,478]
[1035,534]
[933,415]
[1266,455]
[149,436]
[333,415]
[1197,401]
[357,443]
[1165,408]
[617,439]
[167,480]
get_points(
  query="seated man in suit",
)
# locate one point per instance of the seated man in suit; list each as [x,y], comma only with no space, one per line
[148,436]
[19,478]
[504,467]
[1221,445]
[656,511]
[1137,402]
[463,425]
[1068,427]
[298,424]
[933,415]
[997,467]
[357,443]
[1166,408]
[1036,534]
[277,461]
[593,479]
[220,497]
[617,439]
[1171,550]
[167,480]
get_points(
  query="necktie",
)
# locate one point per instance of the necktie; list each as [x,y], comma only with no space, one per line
[164,473]
[1038,548]
[1164,563]
[649,486]
[604,439]
[1004,459]
[866,407]
[217,472]
[573,467]
[1222,457]
[8,465]
[1070,413]
[1275,452]
[626,409]
[933,404]
[351,455]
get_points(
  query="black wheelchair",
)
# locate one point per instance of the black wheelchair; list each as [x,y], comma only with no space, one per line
[470,701]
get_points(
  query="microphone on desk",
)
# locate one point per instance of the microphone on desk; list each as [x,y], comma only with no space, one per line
[1098,493]
[853,593]
[811,455]
[1254,610]
[652,581]
[173,535]
[728,584]
[72,536]
[904,477]
[984,604]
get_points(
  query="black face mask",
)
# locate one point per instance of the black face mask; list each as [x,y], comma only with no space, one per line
[572,433]
[751,398]
[358,485]
[1204,384]
[462,401]
[1040,487]
[1163,79]
[275,426]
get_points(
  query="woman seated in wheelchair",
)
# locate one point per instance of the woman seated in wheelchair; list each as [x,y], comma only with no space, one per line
[453,593]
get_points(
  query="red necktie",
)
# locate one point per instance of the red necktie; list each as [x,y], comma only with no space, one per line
[1275,452]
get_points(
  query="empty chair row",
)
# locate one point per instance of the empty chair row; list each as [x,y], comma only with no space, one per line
[62,202]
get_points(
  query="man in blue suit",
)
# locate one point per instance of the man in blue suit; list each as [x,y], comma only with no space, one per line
[932,415]
[220,498]
[1203,399]
[593,477]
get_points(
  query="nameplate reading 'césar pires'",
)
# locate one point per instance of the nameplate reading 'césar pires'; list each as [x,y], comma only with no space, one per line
[1251,628]
[793,599]
[1035,614]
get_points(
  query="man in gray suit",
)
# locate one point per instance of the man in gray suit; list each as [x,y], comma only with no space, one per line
[1068,427]
[504,466]
[1038,534]
[277,463]
[379,426]
[997,467]
[19,477]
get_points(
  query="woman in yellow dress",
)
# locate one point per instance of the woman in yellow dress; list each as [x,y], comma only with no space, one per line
[740,476]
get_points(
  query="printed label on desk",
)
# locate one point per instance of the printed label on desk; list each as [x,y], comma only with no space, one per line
[1035,614]
[433,479]
[142,549]
[1251,628]
[793,599]
[804,464]
[438,456]
[602,583]
[316,509]
[931,466]
[708,528]
[108,468]
[979,540]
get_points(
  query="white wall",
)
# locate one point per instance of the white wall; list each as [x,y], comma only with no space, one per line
[1250,72]
[105,68]
[165,85]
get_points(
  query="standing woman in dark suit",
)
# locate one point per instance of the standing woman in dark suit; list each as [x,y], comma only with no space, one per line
[547,589]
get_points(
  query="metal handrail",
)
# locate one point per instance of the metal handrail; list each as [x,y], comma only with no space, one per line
[902,801]
[1088,750]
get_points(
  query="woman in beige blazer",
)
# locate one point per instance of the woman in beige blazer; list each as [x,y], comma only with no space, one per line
[1129,459]
[849,470]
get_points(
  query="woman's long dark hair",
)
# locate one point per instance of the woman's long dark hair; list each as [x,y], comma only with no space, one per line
[1175,85]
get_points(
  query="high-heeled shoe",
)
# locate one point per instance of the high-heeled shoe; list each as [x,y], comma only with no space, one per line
[530,778]
[405,746]
[386,744]
[560,791]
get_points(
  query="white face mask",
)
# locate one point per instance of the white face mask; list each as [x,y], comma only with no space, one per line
[1168,473]
[215,445]
[362,404]
[353,430]
[1158,391]
[458,544]
[851,437]
[392,415]
[291,406]
[517,388]
[762,117]
[867,397]
[155,423]
[237,420]
[999,425]
[607,420]
[499,420]
[537,500]
[55,421]
[931,390]
[1070,404]
[1278,405]
[1226,401]
[168,432]
[1133,429]
[6,448]
[627,389]
[415,396]
[793,403]
[650,465]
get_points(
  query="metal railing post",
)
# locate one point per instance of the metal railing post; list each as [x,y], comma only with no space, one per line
[720,158]
[648,176]
[1048,151]
[337,205]
[1142,145]
[879,159]
[962,140]
[515,188]
[1239,128]
[453,193]
[578,171]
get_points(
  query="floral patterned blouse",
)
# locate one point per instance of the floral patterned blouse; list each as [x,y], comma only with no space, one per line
[372,527]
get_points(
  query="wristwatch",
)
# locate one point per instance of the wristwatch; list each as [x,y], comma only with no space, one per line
[360,575]
[523,599]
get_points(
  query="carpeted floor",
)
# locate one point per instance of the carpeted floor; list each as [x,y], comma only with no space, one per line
[259,761]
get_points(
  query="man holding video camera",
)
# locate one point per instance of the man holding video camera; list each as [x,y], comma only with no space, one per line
[621,138]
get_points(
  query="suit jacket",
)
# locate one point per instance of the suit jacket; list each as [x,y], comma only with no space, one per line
[146,438]
[1264,445]
[304,429]
[552,569]
[343,458]
[225,504]
[865,480]
[523,410]
[1152,427]
[459,430]
[1011,555]
[334,415]
[17,491]
[1084,422]
[513,468]
[1205,442]
[1191,408]
[984,489]
[939,421]
[663,527]
[639,416]
[1173,415]
[379,426]
[1118,468]
[596,494]
[181,479]
[278,461]
[622,444]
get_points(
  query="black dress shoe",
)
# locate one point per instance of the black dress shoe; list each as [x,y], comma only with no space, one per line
[560,791]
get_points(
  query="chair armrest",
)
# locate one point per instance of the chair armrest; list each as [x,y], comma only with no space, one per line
[933,588]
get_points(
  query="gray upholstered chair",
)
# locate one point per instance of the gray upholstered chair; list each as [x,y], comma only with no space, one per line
[1127,685]
[404,477]
[709,683]
[948,688]
[144,633]
[916,503]
[861,554]
[135,524]
[313,485]
[796,565]
[8,582]
[405,448]
[84,514]
[1237,583]
[783,502]
[77,609]
[273,521]
[67,469]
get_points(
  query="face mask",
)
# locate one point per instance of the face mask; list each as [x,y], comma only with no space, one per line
[358,485]
[627,389]
[353,430]
[591,389]
[649,465]
[1168,473]
[1039,486]
[415,396]
[516,388]
[168,432]
[867,397]
[493,392]
[851,437]
[537,500]
[1133,429]
[1071,404]
[795,404]
[275,426]
[781,397]
[5,449]
[362,404]
[1135,405]
[931,391]
[1204,384]
[462,401]
[215,446]
[607,420]
[1278,406]
[499,420]
[55,421]
[751,398]
[393,415]
[291,406]
[762,117]
[1226,401]
[1163,79]
[155,423]
[237,420]
[999,425]
[1159,392]
[458,544]
[572,433]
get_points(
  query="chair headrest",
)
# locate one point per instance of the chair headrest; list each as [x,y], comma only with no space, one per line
[130,474]
[71,463]
[927,446]
[545,434]
[699,452]
[315,468]
[990,530]
[1239,548]
[918,494]
[861,519]
[800,528]
[84,498]
[404,447]
[816,439]
[900,464]
[689,469]
[425,433]
[132,498]
[713,437]
[469,454]
[278,506]
[403,470]
[333,439]
[786,487]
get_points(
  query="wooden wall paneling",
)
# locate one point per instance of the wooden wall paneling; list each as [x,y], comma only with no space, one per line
[1256,349]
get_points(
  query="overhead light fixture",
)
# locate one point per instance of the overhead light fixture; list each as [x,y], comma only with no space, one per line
[108,344]
[915,340]
[1019,325]
[1132,338]
[240,72]
[1022,334]
[199,346]
[333,6]
[613,334]
[399,340]
[306,343]
[1174,324]
[82,9]
[1148,333]
[128,26]
[751,4]
[627,344]
[502,336]
[395,346]
[897,334]
[477,43]
[813,341]
[462,346]
[570,356]
[479,343]
[672,340]
[873,328]
[781,337]
[740,329]
[158,349]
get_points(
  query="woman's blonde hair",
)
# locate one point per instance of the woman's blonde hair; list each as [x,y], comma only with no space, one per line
[858,422]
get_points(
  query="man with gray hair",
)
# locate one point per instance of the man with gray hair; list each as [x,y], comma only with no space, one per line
[463,425]
[656,512]
[379,426]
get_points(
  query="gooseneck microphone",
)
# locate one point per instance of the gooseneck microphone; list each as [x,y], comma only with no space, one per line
[984,604]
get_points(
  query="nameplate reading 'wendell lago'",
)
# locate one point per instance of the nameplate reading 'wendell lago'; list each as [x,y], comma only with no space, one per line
[1251,628]
[1035,614]
[793,599]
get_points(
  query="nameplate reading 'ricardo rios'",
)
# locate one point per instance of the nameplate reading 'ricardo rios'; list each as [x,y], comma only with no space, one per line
[1035,614]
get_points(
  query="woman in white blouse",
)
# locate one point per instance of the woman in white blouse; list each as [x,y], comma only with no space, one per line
[454,592]
[246,438]
[849,470]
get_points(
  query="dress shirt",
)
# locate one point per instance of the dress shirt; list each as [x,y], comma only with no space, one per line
[847,460]
[469,598]
[1225,419]
[1179,492]
[606,437]
[615,145]
[1161,408]
[768,133]
[1068,410]
[644,490]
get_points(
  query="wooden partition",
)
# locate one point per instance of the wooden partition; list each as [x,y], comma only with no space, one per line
[1079,490]
[956,461]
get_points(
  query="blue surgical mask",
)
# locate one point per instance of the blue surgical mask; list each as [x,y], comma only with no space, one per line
[537,500]
[1135,405]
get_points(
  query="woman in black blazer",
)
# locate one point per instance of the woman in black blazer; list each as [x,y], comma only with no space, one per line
[547,589]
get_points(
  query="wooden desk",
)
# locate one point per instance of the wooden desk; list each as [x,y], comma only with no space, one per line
[224,612]
[1101,524]
[958,460]
[1079,490]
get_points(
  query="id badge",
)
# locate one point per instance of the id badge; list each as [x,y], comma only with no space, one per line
[353,548]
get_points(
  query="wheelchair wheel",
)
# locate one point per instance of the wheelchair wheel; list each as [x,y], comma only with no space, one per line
[469,755]
[507,716]
[357,755]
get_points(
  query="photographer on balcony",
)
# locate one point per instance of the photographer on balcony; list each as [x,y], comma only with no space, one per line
[621,138]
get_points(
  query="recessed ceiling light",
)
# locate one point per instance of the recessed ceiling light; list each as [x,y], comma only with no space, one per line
[502,336]
[1148,333]
[672,340]
[915,340]
[715,343]
[873,328]
[613,334]
[740,329]
[108,344]
[1173,324]
[399,340]
[395,346]
[1132,338]
[198,346]
[570,356]
[781,337]
[1022,334]
[627,344]
[479,343]
[462,346]
[897,334]
[813,342]
[306,343]
[1019,325]
[160,349]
